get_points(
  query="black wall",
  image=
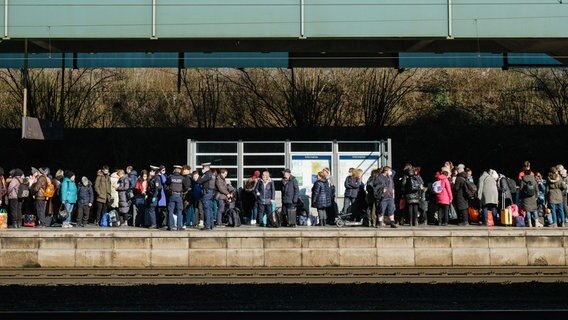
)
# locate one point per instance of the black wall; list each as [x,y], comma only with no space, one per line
[85,150]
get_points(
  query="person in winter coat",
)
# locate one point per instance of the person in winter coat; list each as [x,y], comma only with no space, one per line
[265,193]
[488,193]
[555,200]
[411,187]
[321,197]
[103,192]
[371,200]
[68,196]
[113,192]
[249,199]
[290,192]
[85,199]
[122,187]
[352,184]
[223,195]
[505,191]
[140,188]
[195,202]
[444,198]
[15,204]
[529,198]
[384,190]
[460,191]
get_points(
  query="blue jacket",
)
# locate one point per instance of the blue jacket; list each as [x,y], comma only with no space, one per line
[133,176]
[265,195]
[68,191]
[321,194]
[290,191]
[85,194]
[162,200]
[352,185]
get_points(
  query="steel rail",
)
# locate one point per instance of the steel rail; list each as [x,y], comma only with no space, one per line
[291,275]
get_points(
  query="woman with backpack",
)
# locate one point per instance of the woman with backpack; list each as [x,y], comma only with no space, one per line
[444,198]
[529,195]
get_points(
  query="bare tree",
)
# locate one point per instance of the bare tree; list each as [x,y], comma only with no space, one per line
[381,95]
[292,98]
[70,96]
[551,88]
[205,92]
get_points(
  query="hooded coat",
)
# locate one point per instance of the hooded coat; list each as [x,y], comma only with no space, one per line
[123,186]
[529,203]
[487,189]
[102,187]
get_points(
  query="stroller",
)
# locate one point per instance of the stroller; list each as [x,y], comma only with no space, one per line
[357,216]
[351,219]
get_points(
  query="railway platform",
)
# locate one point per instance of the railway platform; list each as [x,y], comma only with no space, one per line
[282,255]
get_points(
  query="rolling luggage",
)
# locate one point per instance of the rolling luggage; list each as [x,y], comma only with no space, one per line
[506,213]
[291,217]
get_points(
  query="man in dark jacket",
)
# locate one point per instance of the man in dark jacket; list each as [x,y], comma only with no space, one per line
[174,184]
[85,199]
[385,186]
[460,193]
[207,182]
[154,191]
[290,193]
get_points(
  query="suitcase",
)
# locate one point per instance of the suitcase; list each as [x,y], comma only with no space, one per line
[292,217]
[506,213]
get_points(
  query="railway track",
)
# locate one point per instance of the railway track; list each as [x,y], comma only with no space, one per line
[328,275]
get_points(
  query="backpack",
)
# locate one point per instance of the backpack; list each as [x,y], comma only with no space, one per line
[412,184]
[512,185]
[470,190]
[113,218]
[104,220]
[49,191]
[233,217]
[23,189]
[437,186]
[528,189]
[274,219]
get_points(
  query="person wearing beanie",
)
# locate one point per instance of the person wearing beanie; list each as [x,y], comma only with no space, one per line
[85,199]
[68,196]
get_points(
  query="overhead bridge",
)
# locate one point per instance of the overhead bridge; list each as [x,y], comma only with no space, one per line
[285,33]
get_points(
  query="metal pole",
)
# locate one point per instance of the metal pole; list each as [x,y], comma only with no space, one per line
[25,78]
[154,19]
[6,19]
[240,163]
[302,19]
[450,35]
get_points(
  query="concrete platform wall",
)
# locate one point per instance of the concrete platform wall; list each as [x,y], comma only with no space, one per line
[282,248]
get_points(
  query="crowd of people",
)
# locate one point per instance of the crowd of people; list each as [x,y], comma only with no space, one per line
[186,198]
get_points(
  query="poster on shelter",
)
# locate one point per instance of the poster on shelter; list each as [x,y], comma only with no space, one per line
[366,163]
[306,167]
